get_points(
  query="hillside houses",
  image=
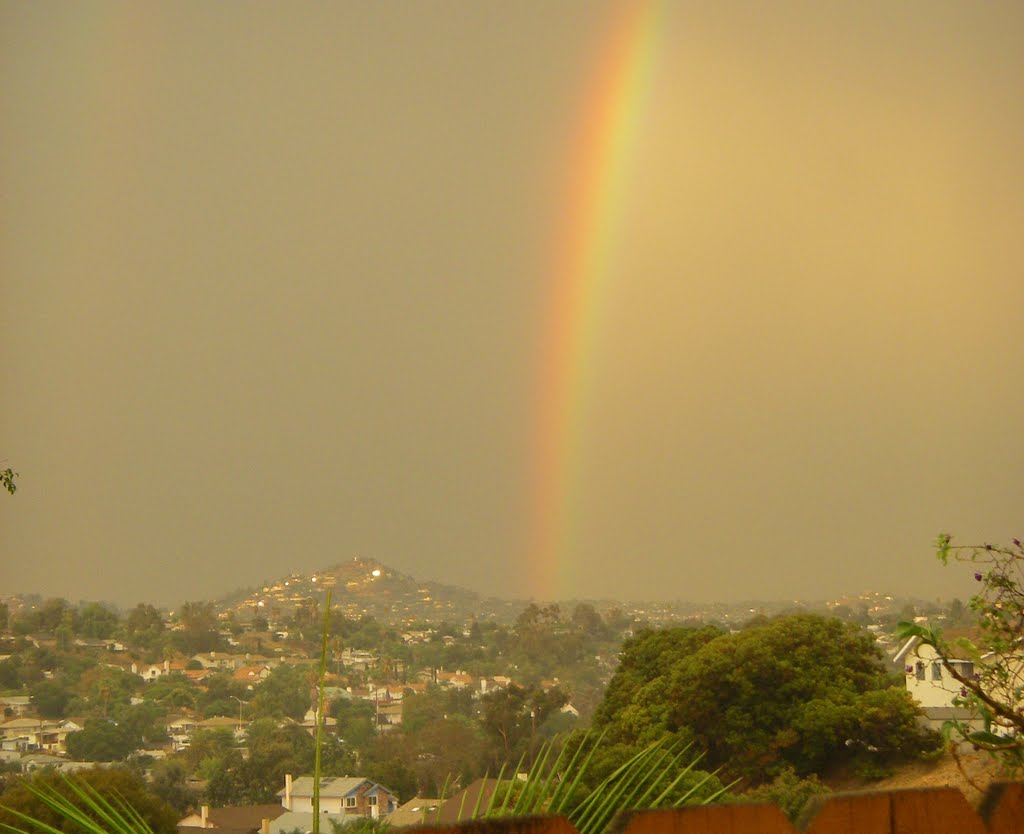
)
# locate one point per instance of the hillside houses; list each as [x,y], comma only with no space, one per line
[37,735]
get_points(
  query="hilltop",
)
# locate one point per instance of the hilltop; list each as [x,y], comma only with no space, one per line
[367,587]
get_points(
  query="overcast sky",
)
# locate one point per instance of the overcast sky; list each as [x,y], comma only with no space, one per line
[274,278]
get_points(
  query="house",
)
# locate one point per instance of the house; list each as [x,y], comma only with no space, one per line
[46,761]
[180,730]
[460,806]
[414,688]
[21,734]
[152,671]
[237,819]
[455,680]
[493,683]
[216,660]
[348,796]
[359,660]
[251,675]
[309,722]
[222,722]
[298,822]
[930,684]
[46,735]
[389,715]
[16,706]
[926,678]
[417,811]
[55,734]
[100,645]
[197,675]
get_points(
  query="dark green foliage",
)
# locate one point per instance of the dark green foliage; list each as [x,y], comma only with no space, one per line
[635,705]
[102,689]
[206,746]
[802,691]
[108,782]
[512,715]
[286,693]
[144,721]
[200,631]
[355,721]
[174,690]
[273,752]
[446,749]
[102,741]
[143,627]
[10,673]
[218,697]
[788,791]
[168,780]
[51,698]
[95,620]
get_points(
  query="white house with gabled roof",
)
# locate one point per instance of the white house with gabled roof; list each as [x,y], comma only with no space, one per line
[349,796]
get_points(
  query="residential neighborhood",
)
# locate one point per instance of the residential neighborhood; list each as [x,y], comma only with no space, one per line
[217,701]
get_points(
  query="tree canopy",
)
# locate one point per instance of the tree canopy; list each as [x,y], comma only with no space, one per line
[802,691]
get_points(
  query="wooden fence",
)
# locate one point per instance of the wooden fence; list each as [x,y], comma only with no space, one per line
[919,811]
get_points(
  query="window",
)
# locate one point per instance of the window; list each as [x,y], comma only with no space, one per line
[919,670]
[371,800]
[967,669]
[350,802]
[936,671]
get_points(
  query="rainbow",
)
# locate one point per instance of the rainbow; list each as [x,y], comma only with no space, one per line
[600,152]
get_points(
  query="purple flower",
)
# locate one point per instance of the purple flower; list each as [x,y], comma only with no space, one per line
[909,669]
[963,692]
[1017,542]
[977,576]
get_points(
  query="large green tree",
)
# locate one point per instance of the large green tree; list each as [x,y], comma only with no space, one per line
[634,710]
[286,693]
[272,752]
[51,698]
[512,716]
[96,620]
[802,691]
[102,741]
[143,626]
[200,631]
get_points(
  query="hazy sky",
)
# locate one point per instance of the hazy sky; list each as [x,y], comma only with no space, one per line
[274,278]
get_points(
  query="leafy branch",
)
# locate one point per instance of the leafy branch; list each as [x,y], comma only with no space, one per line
[994,687]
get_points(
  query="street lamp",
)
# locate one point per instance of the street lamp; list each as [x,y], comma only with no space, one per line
[240,702]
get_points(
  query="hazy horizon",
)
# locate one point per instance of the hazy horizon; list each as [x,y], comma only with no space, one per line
[275,284]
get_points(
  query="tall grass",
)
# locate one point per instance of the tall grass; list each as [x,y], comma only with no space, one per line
[88,811]
[320,715]
[649,779]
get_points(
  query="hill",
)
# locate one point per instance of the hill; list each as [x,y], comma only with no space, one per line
[367,587]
